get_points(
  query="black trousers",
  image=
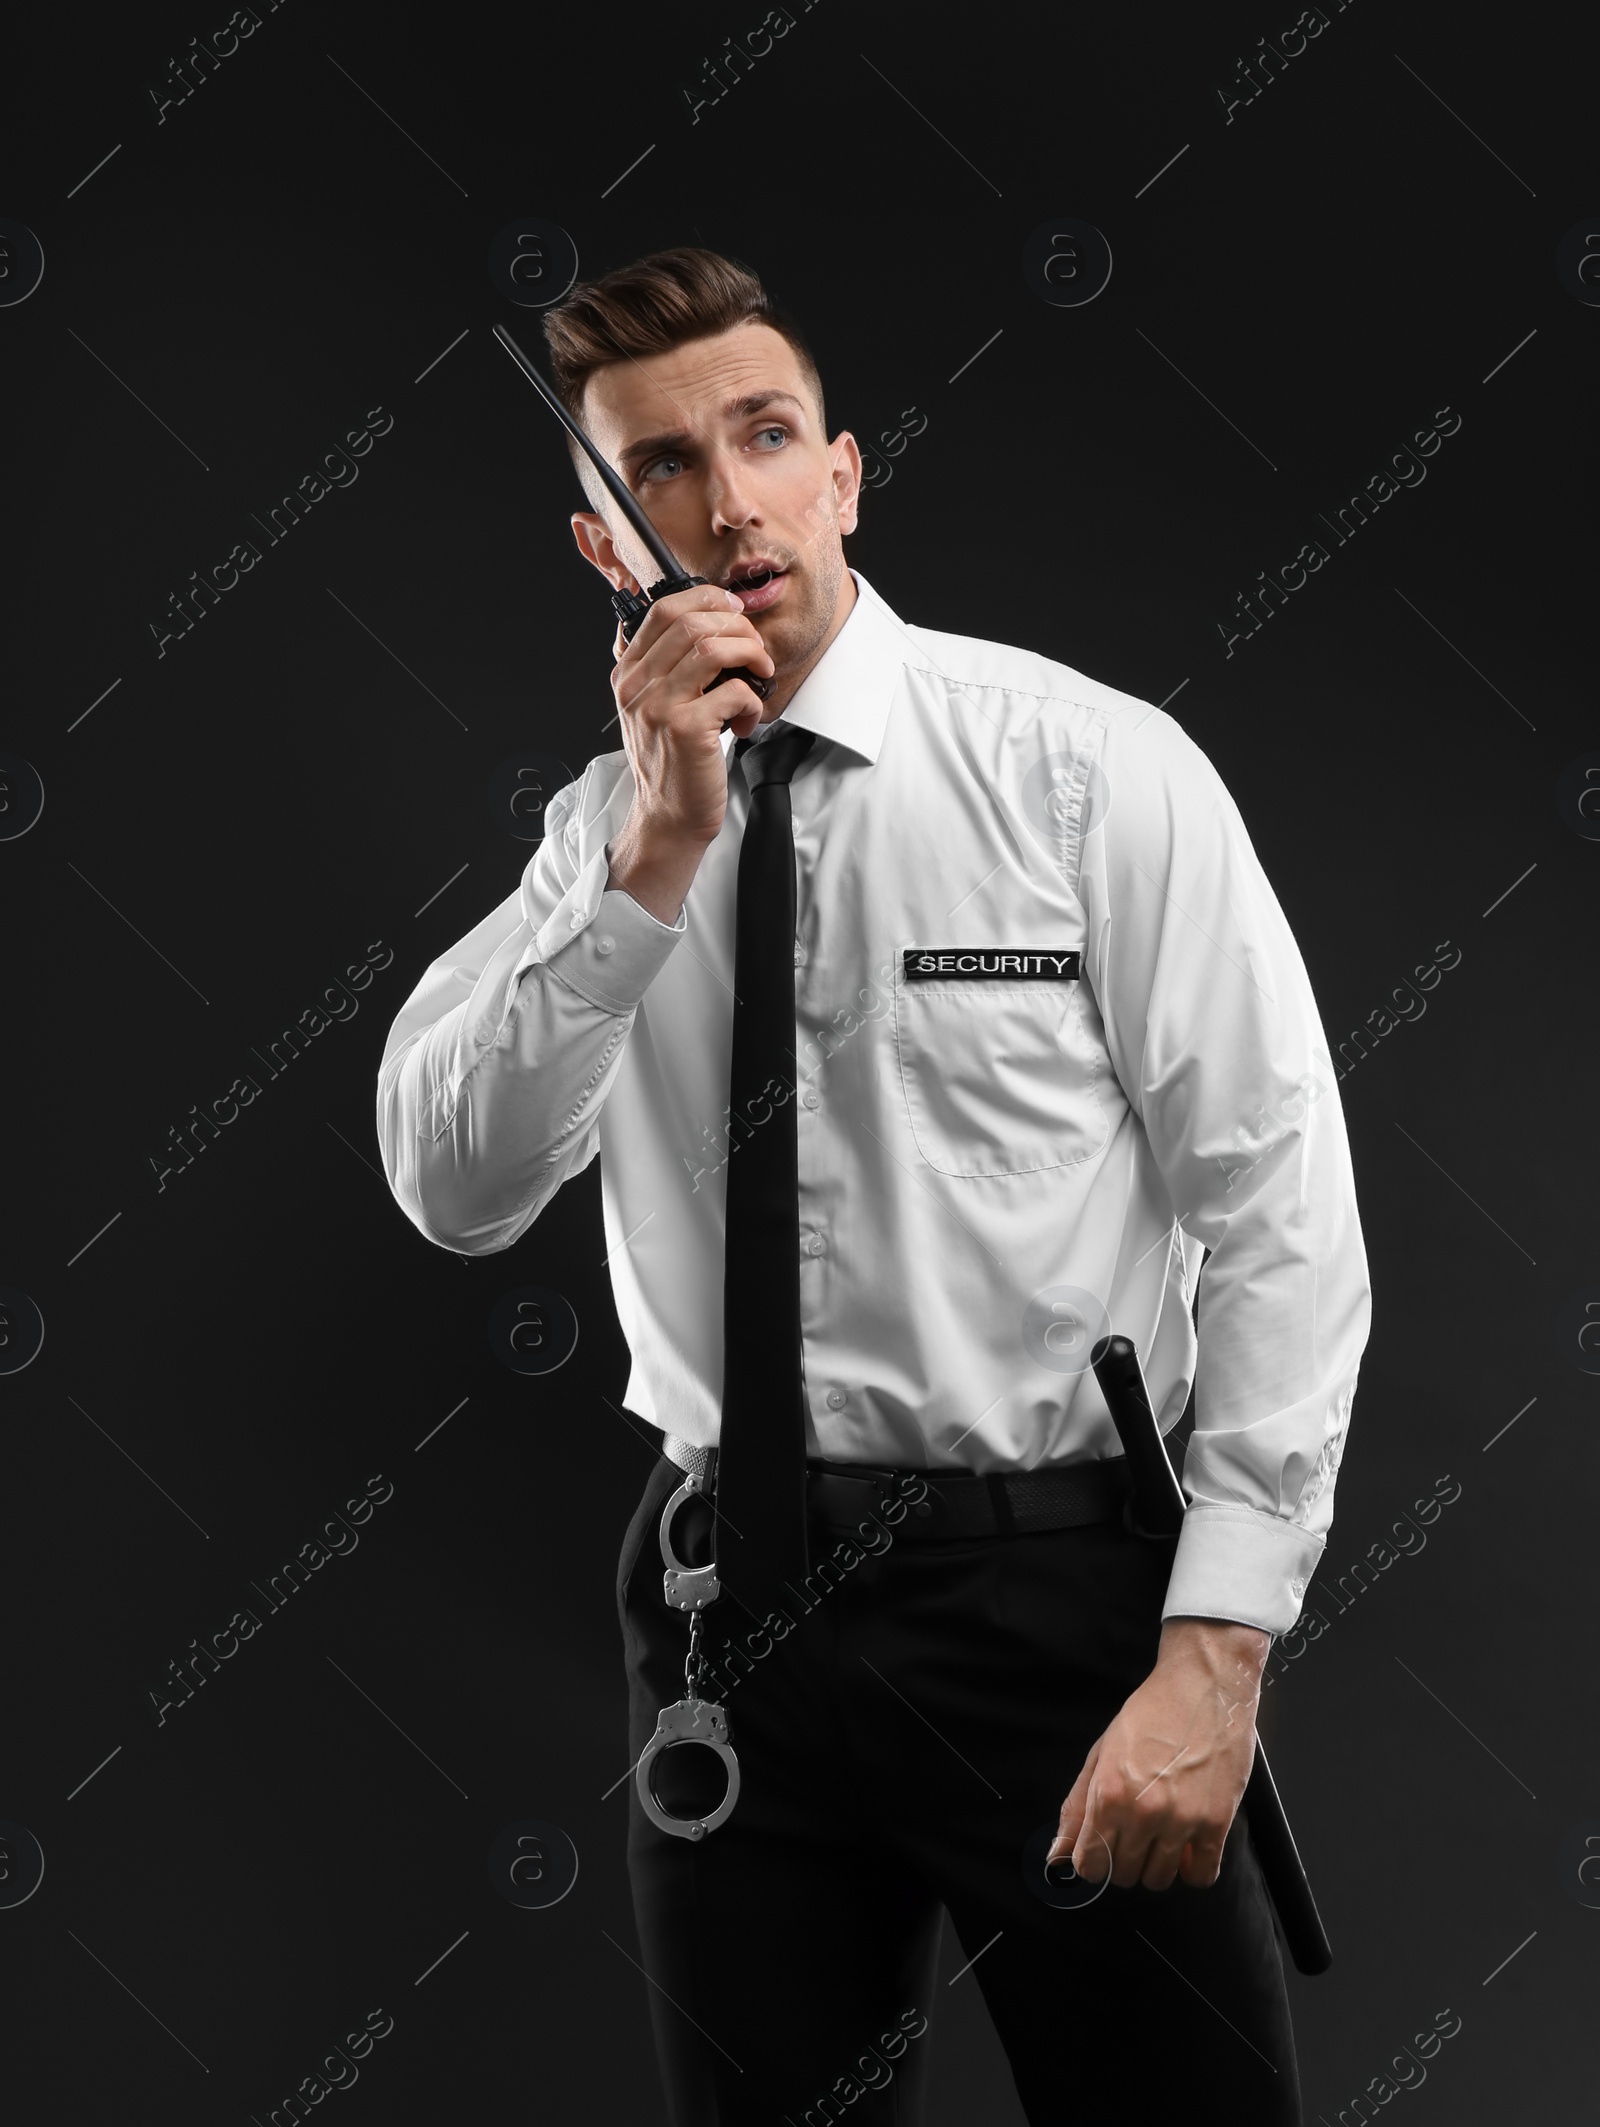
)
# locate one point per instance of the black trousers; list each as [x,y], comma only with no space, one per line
[900,1746]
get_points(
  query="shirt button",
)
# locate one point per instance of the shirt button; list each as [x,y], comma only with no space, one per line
[812,1100]
[799,956]
[836,1399]
[576,919]
[815,1245]
[605,945]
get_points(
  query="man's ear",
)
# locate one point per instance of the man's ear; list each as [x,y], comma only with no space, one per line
[597,546]
[846,479]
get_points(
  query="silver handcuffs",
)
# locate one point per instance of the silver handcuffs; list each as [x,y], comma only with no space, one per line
[693,1719]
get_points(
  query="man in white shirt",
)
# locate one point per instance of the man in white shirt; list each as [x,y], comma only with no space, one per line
[999,1160]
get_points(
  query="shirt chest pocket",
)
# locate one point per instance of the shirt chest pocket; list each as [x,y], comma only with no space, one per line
[1000,1077]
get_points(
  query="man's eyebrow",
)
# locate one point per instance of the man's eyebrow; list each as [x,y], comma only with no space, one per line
[752,402]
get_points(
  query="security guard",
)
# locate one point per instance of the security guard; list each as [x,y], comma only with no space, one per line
[1052,1042]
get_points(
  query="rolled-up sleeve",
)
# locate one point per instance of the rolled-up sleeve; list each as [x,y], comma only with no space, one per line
[1217,1041]
[498,1065]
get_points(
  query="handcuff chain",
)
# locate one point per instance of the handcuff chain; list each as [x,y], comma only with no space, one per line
[694,1666]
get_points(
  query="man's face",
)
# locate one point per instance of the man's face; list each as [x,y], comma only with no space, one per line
[720,441]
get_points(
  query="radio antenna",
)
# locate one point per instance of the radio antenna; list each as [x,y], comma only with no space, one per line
[660,553]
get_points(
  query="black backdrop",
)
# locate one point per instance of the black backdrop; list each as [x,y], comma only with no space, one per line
[303,782]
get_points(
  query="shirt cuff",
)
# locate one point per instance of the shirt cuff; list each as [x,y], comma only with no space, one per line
[601,942]
[1240,1566]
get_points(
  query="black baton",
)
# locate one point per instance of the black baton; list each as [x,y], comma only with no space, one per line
[1159,1506]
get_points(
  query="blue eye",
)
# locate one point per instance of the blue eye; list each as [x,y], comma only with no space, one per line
[655,464]
[781,433]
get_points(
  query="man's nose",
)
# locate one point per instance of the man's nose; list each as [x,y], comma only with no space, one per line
[733,503]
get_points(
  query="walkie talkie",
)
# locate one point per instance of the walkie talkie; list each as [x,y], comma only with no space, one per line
[630,606]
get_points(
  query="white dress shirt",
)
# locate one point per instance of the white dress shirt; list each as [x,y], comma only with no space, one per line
[992,1171]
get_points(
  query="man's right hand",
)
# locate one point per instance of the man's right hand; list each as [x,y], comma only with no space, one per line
[672,730]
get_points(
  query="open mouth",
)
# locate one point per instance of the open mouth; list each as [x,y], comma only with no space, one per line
[759,587]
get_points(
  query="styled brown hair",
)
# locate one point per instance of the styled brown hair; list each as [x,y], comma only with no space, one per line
[686,293]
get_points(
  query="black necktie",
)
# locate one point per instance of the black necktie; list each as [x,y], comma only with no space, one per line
[760,1481]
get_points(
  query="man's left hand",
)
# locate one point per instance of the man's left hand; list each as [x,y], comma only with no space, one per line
[1162,1784]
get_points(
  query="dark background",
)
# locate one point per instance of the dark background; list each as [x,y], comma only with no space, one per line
[234,1355]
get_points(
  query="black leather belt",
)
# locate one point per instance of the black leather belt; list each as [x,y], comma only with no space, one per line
[956,1503]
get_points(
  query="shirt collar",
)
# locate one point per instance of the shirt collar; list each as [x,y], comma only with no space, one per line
[847,694]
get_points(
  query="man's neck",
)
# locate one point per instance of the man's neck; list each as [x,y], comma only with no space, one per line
[787,685]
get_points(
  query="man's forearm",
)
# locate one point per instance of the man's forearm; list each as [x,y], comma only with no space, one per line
[1232,1655]
[654,869]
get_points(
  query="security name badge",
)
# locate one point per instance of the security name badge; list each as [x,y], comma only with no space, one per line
[989,963]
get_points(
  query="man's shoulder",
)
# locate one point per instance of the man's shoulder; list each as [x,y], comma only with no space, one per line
[967,664]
